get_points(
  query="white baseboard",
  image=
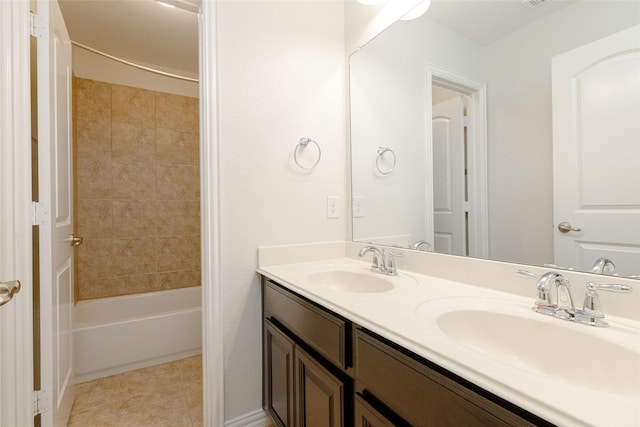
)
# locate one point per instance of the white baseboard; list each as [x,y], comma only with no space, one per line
[257,418]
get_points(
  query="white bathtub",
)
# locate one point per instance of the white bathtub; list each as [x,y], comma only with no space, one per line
[119,334]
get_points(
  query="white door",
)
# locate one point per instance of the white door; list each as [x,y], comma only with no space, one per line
[56,230]
[596,153]
[448,177]
[16,332]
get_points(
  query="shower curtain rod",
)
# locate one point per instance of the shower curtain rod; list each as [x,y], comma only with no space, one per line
[133,64]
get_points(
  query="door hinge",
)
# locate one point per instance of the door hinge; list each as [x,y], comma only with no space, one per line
[467,206]
[39,213]
[38,25]
[465,121]
[40,402]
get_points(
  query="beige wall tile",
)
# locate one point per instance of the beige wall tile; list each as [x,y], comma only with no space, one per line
[94,259]
[93,139]
[135,284]
[132,143]
[117,286]
[178,279]
[178,253]
[134,256]
[134,218]
[177,147]
[175,112]
[95,218]
[134,180]
[93,100]
[94,179]
[178,217]
[133,105]
[177,182]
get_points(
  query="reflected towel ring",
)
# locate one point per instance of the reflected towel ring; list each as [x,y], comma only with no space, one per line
[302,144]
[381,152]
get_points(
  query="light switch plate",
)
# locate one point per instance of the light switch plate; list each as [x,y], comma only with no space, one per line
[333,206]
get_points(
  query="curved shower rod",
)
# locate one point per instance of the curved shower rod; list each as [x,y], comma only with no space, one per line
[133,64]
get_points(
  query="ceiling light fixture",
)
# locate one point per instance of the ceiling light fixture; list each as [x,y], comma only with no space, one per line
[418,11]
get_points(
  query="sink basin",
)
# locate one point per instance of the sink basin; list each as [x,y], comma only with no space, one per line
[352,281]
[540,344]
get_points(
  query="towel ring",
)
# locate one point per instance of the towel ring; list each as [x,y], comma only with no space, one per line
[381,153]
[302,144]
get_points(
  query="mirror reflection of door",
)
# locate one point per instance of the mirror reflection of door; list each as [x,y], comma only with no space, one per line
[596,142]
[450,213]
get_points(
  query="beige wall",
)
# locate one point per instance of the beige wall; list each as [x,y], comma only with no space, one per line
[137,190]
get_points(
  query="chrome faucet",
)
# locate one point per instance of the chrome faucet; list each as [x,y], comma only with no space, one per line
[380,264]
[591,312]
[603,265]
[565,308]
[378,257]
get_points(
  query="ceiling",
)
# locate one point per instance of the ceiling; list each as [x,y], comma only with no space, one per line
[485,21]
[148,33]
[141,31]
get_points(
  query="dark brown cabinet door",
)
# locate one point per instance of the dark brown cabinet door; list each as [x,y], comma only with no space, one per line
[278,376]
[319,394]
[367,416]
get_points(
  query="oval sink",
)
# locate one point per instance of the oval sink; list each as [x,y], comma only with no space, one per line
[352,281]
[543,346]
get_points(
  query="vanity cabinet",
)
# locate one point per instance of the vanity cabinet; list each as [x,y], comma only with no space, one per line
[322,370]
[367,416]
[405,389]
[278,375]
[319,396]
[306,353]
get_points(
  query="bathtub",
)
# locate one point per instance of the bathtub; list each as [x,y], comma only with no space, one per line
[119,334]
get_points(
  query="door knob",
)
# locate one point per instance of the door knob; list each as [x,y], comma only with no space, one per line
[565,227]
[8,290]
[76,241]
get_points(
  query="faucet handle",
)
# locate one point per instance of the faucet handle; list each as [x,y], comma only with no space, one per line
[391,262]
[591,312]
[623,289]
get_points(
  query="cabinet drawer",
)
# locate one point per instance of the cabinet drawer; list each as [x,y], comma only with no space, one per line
[419,394]
[325,332]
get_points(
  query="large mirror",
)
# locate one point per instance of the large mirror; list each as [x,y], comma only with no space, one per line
[454,129]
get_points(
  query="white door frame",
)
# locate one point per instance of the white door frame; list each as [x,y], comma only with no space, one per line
[212,339]
[15,211]
[16,317]
[476,152]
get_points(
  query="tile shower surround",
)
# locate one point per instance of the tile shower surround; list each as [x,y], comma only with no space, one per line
[137,190]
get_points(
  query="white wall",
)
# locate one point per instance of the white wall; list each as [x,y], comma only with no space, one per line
[520,134]
[89,65]
[281,77]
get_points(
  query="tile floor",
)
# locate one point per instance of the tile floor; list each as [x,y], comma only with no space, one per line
[161,395]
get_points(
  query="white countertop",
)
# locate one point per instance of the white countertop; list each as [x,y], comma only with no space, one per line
[405,315]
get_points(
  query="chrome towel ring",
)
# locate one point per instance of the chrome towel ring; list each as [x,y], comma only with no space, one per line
[302,144]
[385,169]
